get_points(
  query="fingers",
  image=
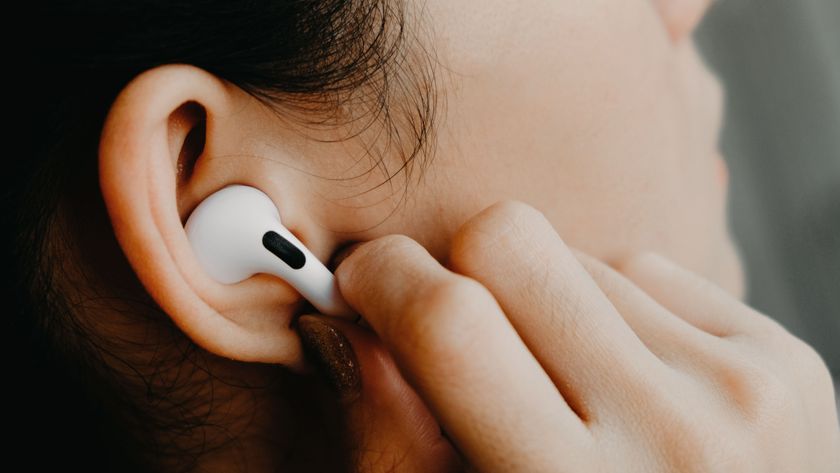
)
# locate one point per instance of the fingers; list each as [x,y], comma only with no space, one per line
[558,310]
[668,336]
[696,300]
[451,340]
[385,422]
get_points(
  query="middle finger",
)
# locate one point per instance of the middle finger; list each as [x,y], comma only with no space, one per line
[569,324]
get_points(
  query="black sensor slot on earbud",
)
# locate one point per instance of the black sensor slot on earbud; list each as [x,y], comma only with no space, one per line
[284,249]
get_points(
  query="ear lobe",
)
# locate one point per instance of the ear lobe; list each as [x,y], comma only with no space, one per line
[152,174]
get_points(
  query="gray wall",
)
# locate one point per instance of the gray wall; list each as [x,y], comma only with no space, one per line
[780,61]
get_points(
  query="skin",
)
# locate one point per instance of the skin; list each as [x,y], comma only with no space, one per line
[595,121]
[643,367]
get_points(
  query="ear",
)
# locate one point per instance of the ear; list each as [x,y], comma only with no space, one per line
[161,154]
[681,17]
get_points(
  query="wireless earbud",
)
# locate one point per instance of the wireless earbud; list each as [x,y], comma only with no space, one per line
[237,232]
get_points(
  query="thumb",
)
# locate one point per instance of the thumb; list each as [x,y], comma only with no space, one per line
[387,427]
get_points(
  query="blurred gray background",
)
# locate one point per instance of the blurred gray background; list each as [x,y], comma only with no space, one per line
[780,61]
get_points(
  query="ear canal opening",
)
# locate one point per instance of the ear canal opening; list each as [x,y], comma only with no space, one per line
[193,117]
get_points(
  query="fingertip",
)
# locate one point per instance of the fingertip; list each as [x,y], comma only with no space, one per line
[343,253]
[340,265]
[383,276]
[347,265]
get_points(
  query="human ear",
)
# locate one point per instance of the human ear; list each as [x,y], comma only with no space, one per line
[681,17]
[174,135]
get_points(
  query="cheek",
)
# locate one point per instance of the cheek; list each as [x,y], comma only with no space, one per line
[580,112]
[587,120]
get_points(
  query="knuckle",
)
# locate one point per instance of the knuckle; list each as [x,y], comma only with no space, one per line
[693,445]
[507,223]
[759,393]
[441,318]
[637,262]
[800,358]
[769,397]
[452,294]
[765,328]
[810,365]
[805,356]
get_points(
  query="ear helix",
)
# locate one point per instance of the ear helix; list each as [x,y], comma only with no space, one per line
[237,232]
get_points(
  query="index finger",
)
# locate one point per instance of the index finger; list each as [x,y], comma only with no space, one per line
[454,344]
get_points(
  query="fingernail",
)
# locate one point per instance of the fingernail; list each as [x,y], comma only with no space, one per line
[342,254]
[330,351]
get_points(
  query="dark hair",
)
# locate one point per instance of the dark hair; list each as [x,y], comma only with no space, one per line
[79,397]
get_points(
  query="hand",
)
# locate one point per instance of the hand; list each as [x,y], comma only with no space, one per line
[536,357]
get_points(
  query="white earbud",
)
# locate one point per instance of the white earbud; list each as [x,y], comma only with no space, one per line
[237,232]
